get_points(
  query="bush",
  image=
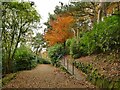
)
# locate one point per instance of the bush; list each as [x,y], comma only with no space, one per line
[74,47]
[103,37]
[24,59]
[56,52]
[87,42]
[42,61]
[108,33]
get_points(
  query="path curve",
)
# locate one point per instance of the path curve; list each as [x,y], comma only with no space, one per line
[46,76]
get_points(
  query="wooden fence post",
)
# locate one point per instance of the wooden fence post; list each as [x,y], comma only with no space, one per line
[64,60]
[73,67]
[67,64]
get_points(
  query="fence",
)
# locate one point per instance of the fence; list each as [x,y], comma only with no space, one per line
[68,65]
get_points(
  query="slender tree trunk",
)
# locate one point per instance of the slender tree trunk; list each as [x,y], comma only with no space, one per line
[10,62]
[99,15]
[64,53]
[11,59]
[13,34]
[118,6]
[100,11]
[18,40]
[77,35]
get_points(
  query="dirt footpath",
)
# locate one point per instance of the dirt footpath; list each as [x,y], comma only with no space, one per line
[46,76]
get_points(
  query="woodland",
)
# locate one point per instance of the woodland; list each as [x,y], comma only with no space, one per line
[85,33]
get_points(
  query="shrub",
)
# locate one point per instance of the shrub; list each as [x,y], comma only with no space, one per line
[108,33]
[87,42]
[56,52]
[42,61]
[74,47]
[24,59]
[103,37]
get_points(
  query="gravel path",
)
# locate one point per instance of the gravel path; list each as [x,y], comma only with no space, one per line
[46,76]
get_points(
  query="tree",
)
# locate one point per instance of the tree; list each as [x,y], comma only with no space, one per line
[106,8]
[18,18]
[60,30]
[89,12]
[38,43]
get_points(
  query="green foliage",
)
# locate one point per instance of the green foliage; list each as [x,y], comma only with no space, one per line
[56,52]
[7,78]
[19,19]
[104,36]
[88,43]
[42,61]
[74,48]
[24,59]
[108,33]
[38,43]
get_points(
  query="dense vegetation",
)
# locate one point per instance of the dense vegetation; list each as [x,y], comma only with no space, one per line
[93,32]
[24,59]
[20,44]
[56,52]
[103,37]
[78,29]
[95,29]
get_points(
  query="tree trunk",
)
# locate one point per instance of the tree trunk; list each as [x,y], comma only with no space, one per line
[77,37]
[18,39]
[118,6]
[100,11]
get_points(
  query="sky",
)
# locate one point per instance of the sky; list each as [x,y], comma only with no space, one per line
[46,6]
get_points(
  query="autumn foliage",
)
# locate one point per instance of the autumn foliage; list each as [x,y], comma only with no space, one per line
[60,30]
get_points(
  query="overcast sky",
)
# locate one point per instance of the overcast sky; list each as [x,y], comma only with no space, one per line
[46,6]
